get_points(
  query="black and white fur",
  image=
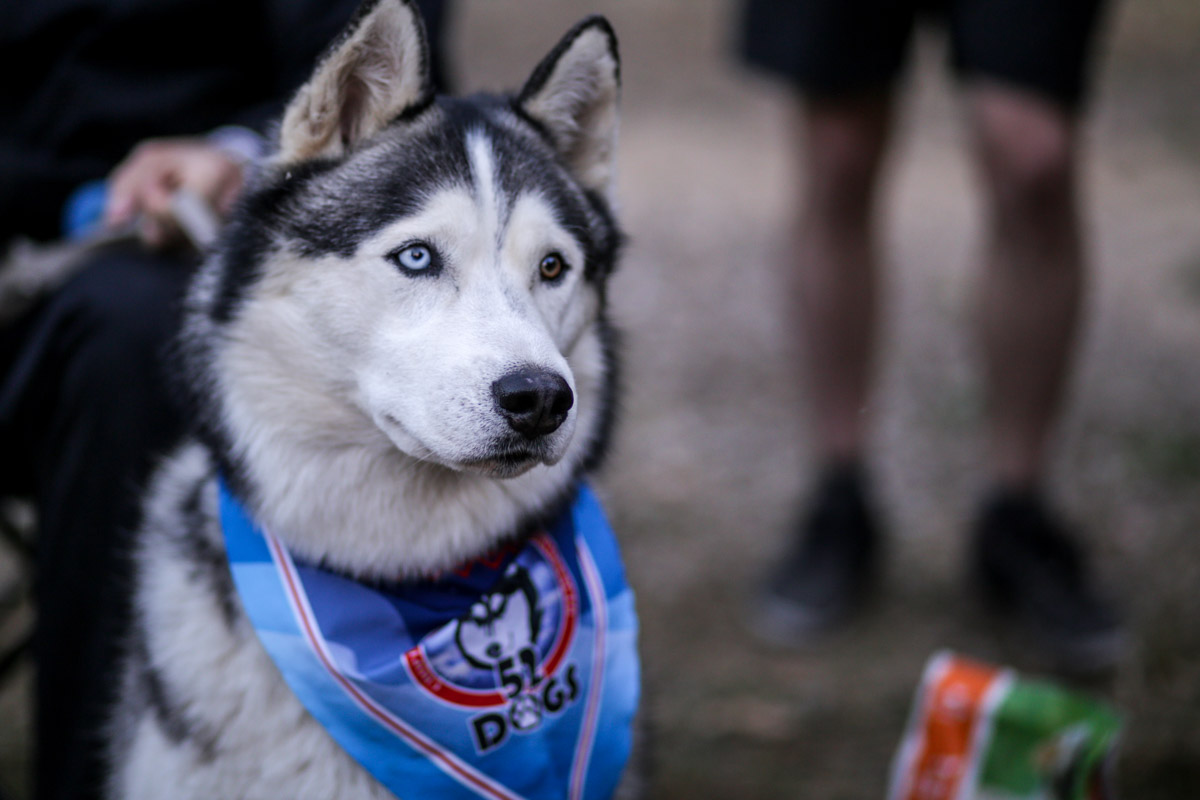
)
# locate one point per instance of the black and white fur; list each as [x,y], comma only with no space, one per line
[351,402]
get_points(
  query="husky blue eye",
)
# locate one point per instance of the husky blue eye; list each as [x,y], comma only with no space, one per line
[415,258]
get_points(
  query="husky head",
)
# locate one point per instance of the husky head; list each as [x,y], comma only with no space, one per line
[402,338]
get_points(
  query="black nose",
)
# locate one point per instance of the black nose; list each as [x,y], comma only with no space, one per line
[534,401]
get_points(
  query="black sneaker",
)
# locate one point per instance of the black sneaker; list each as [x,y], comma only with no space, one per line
[824,578]
[1028,567]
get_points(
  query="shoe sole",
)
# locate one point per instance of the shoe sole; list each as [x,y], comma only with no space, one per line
[1081,656]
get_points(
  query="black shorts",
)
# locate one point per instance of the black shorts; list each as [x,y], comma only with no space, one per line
[840,47]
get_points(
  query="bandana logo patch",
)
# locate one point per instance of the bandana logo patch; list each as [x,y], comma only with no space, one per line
[507,652]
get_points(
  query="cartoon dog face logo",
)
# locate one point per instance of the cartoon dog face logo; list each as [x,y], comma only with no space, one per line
[503,625]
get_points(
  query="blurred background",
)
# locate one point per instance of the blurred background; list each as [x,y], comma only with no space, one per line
[710,457]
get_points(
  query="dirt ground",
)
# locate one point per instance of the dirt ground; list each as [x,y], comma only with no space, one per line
[711,456]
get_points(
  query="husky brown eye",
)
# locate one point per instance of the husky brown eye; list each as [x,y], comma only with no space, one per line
[552,267]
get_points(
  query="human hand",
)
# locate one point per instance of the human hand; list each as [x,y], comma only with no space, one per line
[142,185]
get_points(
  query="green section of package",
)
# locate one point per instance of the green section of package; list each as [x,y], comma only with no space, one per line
[1046,742]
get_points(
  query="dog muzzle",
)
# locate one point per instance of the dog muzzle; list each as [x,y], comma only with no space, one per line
[515,676]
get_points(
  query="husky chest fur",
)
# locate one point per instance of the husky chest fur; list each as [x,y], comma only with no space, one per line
[401,369]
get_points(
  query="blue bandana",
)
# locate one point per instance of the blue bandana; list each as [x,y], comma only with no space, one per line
[515,676]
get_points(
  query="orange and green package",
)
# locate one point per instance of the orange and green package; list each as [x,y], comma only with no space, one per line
[979,732]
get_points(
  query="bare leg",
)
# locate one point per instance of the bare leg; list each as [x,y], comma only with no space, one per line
[823,577]
[1033,284]
[844,142]
[1033,272]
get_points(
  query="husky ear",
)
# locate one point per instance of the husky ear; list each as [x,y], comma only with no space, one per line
[573,95]
[373,72]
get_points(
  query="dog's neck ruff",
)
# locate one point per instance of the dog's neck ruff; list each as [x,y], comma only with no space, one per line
[515,676]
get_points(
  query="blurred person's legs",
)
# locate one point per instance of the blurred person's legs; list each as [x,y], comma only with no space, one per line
[1026,60]
[83,415]
[1023,104]
[825,573]
[845,58]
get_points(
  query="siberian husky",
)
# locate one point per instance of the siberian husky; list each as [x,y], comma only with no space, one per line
[401,369]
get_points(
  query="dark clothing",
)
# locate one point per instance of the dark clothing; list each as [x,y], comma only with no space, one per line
[84,414]
[835,48]
[86,80]
[83,419]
